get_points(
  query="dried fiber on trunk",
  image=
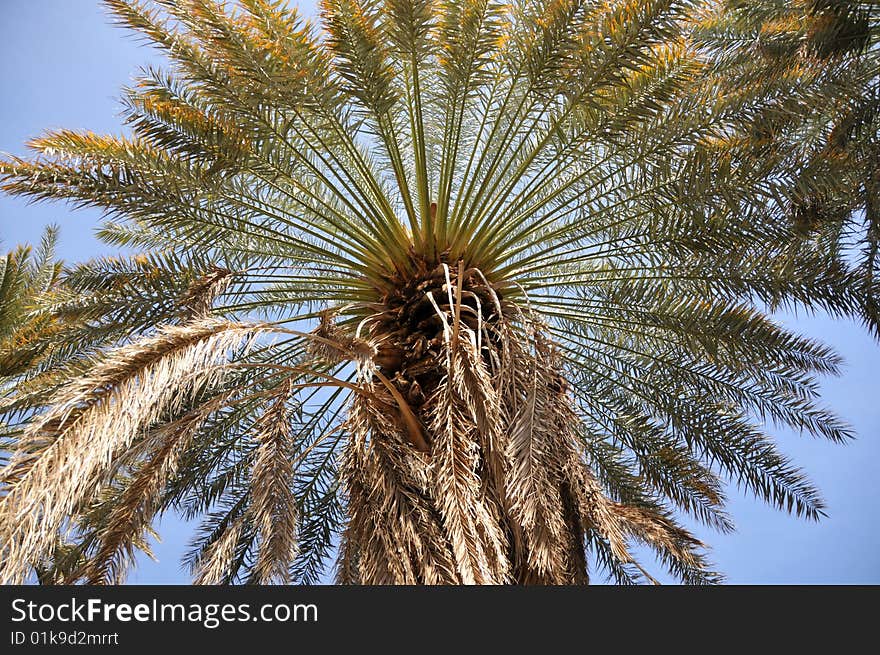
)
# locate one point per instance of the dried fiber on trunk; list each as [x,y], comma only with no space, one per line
[505,493]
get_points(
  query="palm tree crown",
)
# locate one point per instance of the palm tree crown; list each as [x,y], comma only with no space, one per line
[472,290]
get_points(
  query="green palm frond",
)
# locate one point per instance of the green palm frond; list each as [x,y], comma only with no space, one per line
[807,75]
[26,276]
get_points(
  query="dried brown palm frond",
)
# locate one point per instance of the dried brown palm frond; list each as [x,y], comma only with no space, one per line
[393,531]
[537,456]
[471,520]
[333,344]
[132,514]
[214,567]
[69,450]
[273,507]
[198,300]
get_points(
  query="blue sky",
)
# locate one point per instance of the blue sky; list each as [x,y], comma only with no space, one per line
[62,64]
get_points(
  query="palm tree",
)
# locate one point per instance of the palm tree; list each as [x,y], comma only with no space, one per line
[25,277]
[451,292]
